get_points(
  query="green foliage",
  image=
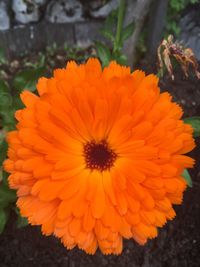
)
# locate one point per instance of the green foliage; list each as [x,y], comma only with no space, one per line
[109,28]
[195,123]
[3,149]
[6,110]
[21,221]
[39,63]
[6,99]
[175,7]
[27,79]
[115,35]
[3,219]
[108,34]
[3,59]
[127,32]
[7,195]
[103,53]
[9,103]
[187,177]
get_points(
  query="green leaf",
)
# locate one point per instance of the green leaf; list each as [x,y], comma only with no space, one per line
[27,79]
[6,101]
[4,177]
[41,62]
[3,86]
[3,151]
[8,119]
[5,96]
[21,221]
[103,53]
[3,220]
[127,32]
[3,58]
[108,30]
[108,33]
[17,103]
[120,58]
[195,123]
[7,195]
[187,177]
[111,19]
[2,136]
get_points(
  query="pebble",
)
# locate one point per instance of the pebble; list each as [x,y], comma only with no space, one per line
[27,11]
[14,64]
[63,11]
[183,101]
[193,103]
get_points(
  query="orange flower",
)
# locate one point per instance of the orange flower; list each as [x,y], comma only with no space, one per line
[97,156]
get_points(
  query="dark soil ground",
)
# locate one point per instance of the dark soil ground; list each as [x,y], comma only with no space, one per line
[177,245]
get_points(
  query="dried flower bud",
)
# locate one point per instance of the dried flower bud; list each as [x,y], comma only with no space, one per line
[169,49]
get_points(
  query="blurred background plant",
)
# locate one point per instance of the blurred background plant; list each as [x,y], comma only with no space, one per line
[115,34]
[23,72]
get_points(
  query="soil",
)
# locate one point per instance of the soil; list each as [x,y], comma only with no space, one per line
[178,243]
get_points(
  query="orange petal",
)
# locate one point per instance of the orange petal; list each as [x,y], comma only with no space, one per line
[88,221]
[98,203]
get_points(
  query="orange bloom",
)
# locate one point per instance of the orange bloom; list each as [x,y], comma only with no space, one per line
[97,156]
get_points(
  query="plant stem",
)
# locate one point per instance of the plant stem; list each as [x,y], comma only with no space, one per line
[120,19]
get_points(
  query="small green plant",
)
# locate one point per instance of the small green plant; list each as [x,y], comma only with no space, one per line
[76,53]
[115,35]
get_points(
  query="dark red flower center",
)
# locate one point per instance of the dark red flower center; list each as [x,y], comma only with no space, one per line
[98,156]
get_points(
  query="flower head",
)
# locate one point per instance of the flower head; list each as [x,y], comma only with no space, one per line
[97,156]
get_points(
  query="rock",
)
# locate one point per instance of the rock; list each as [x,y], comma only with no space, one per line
[4,17]
[95,4]
[184,21]
[62,11]
[87,32]
[27,11]
[189,19]
[28,38]
[102,11]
